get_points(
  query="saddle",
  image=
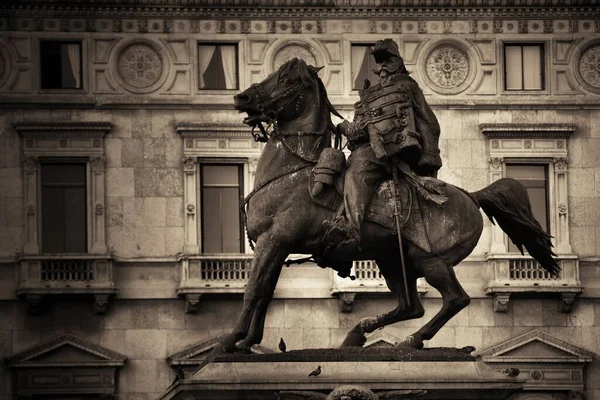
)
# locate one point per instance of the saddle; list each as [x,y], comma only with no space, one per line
[381,209]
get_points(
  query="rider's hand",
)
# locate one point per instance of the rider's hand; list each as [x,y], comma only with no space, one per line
[342,127]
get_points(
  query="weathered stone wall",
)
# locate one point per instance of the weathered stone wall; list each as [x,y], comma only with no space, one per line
[147,331]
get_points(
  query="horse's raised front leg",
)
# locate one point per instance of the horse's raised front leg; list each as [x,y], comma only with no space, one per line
[395,281]
[441,276]
[266,267]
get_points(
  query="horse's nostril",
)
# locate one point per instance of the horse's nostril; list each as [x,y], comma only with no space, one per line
[242,98]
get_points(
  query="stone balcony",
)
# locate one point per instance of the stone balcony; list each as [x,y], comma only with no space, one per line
[368,279]
[42,276]
[212,274]
[514,274]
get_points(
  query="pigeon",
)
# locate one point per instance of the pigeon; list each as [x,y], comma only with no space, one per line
[316,372]
[511,372]
[282,346]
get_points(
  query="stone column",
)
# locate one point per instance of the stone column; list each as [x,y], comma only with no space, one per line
[30,172]
[97,214]
[563,245]
[190,202]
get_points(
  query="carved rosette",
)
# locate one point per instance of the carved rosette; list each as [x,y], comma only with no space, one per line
[290,51]
[589,67]
[140,67]
[447,67]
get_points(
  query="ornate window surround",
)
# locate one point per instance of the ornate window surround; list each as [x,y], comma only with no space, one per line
[66,365]
[239,41]
[210,142]
[546,63]
[541,143]
[549,365]
[84,140]
[60,36]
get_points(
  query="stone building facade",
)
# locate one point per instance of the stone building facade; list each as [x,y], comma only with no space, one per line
[116,125]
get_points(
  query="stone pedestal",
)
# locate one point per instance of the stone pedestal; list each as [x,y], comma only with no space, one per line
[448,374]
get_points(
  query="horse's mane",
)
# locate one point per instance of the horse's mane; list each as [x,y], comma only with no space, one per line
[308,75]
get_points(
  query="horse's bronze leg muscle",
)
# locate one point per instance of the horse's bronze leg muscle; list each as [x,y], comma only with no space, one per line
[266,267]
[441,276]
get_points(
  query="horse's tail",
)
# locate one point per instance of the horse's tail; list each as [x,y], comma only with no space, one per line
[507,201]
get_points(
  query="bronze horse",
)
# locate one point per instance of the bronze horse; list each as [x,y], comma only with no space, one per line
[282,219]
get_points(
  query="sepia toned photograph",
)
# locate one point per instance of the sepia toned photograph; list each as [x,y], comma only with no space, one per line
[299,200]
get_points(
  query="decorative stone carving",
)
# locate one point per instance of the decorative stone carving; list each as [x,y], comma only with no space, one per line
[290,51]
[347,302]
[523,27]
[496,162]
[501,302]
[447,66]
[189,163]
[139,65]
[422,27]
[98,163]
[99,209]
[589,67]
[30,209]
[561,163]
[447,26]
[498,26]
[30,164]
[562,208]
[190,208]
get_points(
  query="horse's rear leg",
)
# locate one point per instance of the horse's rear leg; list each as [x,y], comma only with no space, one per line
[395,282]
[441,276]
[266,267]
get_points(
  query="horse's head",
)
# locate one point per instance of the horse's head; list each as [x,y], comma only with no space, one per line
[284,95]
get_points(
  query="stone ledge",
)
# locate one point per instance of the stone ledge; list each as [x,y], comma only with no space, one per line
[440,379]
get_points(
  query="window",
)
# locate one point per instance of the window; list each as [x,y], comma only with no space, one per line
[63,198]
[222,223]
[217,66]
[60,63]
[363,64]
[535,179]
[524,66]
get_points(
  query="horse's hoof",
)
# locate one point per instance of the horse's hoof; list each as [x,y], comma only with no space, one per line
[244,347]
[411,342]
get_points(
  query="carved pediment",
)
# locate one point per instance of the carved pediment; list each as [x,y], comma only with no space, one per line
[196,353]
[536,346]
[381,339]
[66,350]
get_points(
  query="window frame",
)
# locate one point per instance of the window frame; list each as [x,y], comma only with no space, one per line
[369,44]
[237,66]
[544,53]
[83,57]
[550,185]
[64,160]
[241,182]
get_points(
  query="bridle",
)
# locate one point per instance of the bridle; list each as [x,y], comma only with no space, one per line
[268,115]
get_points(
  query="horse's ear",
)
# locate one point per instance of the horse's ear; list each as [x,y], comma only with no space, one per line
[314,70]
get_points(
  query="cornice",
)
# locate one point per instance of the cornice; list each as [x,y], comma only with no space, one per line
[62,129]
[221,130]
[496,353]
[109,358]
[299,9]
[547,131]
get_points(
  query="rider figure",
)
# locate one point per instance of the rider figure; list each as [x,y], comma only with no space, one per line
[393,124]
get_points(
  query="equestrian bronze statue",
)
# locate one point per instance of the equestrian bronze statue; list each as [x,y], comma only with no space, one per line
[299,184]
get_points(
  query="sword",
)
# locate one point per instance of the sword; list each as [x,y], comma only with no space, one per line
[397,217]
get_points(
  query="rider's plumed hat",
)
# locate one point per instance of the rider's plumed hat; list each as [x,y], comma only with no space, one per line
[384,49]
